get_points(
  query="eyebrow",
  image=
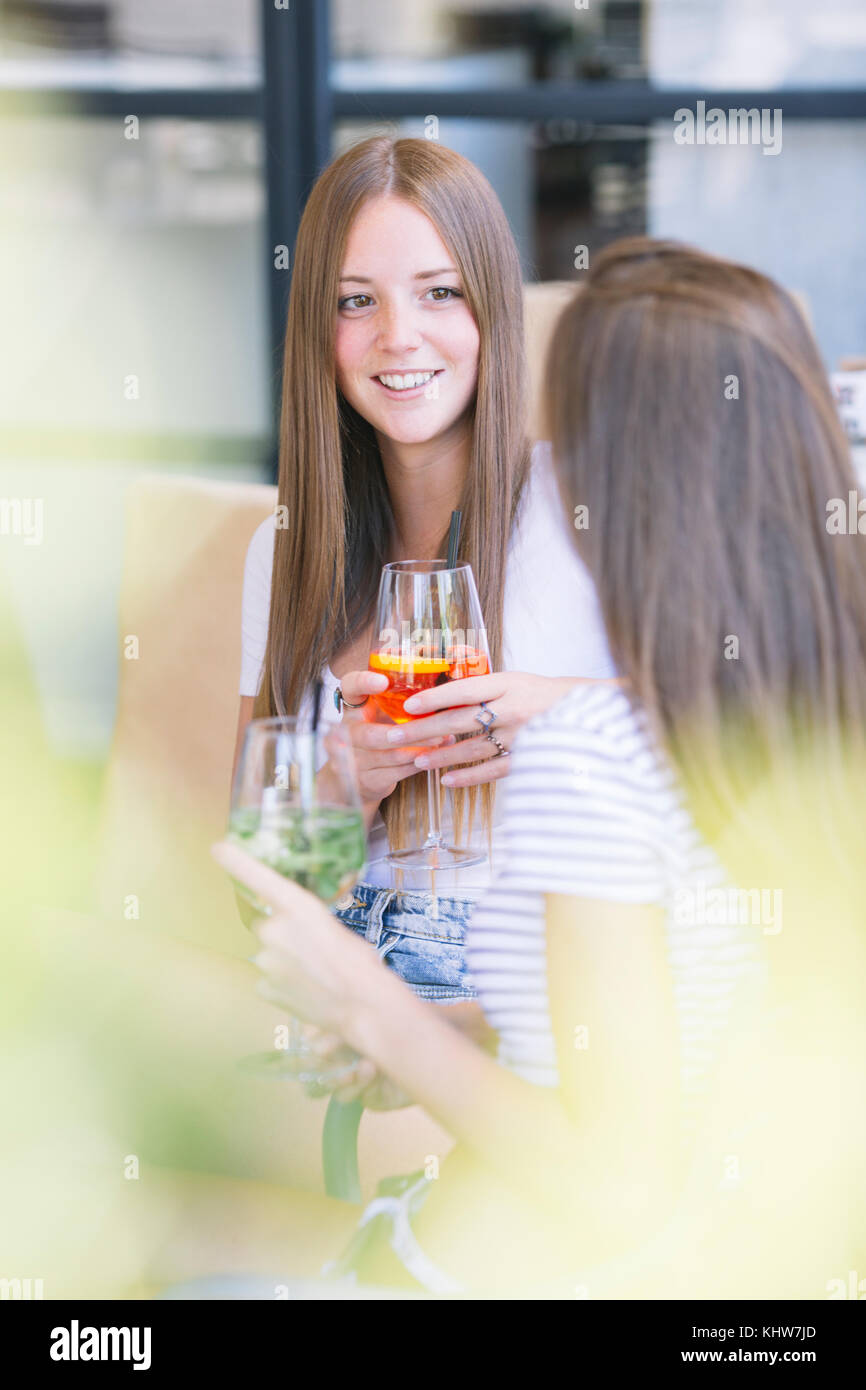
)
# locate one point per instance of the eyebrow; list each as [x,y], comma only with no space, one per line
[422,275]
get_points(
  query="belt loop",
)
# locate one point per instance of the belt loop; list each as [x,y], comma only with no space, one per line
[378,907]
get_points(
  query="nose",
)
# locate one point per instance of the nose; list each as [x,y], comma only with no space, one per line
[398,330]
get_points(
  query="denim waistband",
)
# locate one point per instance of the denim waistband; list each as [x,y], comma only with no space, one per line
[368,894]
[414,913]
[421,936]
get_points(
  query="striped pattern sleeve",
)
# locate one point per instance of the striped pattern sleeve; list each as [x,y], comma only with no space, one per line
[579,816]
[575,823]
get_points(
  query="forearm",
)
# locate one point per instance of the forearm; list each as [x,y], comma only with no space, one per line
[518,1129]
[469,1018]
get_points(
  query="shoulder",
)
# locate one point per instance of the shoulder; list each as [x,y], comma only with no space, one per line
[255,604]
[542,454]
[542,471]
[259,562]
[258,574]
[260,551]
[542,520]
[594,735]
[540,484]
[586,812]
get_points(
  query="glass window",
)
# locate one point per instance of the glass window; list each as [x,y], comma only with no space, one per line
[475,43]
[756,44]
[565,186]
[673,43]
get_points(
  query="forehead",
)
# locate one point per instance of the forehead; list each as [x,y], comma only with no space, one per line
[392,236]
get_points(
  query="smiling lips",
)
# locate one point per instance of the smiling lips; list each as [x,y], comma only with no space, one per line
[405,382]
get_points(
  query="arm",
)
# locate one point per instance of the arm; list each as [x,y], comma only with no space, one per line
[600,1153]
[597,1155]
[514,697]
[373,1087]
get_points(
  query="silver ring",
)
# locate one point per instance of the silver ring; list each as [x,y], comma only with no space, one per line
[339,701]
[486,719]
[503,751]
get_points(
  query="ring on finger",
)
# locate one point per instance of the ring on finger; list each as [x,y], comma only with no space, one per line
[502,751]
[487,717]
[339,701]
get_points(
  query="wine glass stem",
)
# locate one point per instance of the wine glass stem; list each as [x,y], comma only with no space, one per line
[434,835]
[296,1040]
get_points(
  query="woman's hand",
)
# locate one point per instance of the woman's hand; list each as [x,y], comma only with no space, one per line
[513,696]
[363,1081]
[313,966]
[358,1080]
[381,765]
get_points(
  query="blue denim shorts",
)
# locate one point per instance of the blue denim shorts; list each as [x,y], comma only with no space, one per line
[420,936]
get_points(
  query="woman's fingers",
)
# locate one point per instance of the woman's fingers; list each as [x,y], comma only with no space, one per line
[470,690]
[470,750]
[346,1083]
[459,720]
[357,687]
[380,782]
[265,882]
[352,1087]
[489,771]
[323,1044]
[372,739]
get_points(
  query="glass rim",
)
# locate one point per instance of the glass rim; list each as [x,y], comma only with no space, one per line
[428,566]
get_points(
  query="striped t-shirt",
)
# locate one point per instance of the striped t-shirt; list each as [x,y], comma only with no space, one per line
[594,811]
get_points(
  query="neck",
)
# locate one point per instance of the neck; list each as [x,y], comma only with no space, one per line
[426,483]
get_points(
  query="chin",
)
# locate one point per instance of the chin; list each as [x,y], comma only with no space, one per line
[419,434]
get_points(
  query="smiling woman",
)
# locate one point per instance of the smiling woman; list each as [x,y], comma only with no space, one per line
[404,397]
[411,330]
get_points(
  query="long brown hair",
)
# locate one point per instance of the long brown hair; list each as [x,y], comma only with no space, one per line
[328,559]
[691,416]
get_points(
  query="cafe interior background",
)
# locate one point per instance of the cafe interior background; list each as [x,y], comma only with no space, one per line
[155,154]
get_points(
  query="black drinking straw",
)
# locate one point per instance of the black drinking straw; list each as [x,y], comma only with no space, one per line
[454,538]
[317,704]
[308,792]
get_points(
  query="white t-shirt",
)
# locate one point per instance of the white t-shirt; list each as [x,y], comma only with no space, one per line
[552,627]
[594,811]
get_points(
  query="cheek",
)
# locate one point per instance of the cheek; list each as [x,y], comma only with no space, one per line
[467,342]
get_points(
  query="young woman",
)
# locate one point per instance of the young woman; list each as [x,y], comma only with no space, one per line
[404,398]
[691,416]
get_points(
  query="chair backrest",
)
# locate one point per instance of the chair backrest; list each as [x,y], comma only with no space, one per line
[167,787]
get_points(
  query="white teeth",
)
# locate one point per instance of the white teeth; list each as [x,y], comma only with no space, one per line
[405,383]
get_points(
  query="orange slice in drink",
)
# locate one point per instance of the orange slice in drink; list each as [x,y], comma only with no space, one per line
[393,664]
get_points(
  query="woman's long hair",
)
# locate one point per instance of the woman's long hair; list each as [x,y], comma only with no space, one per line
[328,559]
[691,416]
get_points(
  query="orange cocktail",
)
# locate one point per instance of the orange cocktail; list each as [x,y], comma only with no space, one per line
[408,675]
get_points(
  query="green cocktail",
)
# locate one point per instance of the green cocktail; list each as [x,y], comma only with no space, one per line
[322,848]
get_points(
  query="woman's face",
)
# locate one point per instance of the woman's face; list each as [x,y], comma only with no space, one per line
[402,314]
